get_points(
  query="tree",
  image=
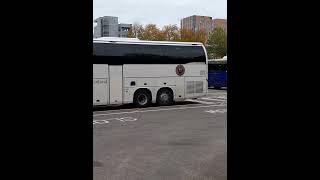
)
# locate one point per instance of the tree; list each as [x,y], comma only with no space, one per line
[201,36]
[136,31]
[188,35]
[217,43]
[168,33]
[171,33]
[152,33]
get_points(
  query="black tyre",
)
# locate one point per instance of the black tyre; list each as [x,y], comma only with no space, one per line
[142,98]
[164,97]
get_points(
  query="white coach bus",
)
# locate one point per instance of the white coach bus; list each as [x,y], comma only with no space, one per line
[129,70]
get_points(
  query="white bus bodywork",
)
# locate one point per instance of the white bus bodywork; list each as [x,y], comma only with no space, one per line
[112,84]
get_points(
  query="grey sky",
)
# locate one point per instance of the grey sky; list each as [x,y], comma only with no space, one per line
[159,12]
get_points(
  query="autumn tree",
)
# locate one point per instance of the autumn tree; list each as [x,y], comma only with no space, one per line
[168,33]
[217,43]
[171,32]
[136,31]
[201,36]
[187,35]
[151,33]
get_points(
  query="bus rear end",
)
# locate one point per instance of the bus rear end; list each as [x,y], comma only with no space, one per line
[217,73]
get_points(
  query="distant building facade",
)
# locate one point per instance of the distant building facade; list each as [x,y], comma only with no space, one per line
[196,23]
[108,26]
[124,29]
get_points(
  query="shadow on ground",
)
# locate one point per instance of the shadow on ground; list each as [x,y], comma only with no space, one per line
[131,106]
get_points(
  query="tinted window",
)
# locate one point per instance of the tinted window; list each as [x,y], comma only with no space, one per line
[185,53]
[146,54]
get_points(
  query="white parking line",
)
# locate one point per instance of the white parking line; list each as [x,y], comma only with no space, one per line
[106,121]
[222,94]
[212,99]
[155,110]
[217,111]
[198,101]
[100,122]
[176,106]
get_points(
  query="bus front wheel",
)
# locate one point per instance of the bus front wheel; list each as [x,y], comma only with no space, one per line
[164,97]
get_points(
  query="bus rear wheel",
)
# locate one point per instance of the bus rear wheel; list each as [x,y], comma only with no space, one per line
[142,98]
[164,97]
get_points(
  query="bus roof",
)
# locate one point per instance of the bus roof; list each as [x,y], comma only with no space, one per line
[137,41]
[114,39]
[221,59]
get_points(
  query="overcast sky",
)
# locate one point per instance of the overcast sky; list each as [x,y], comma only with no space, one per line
[159,12]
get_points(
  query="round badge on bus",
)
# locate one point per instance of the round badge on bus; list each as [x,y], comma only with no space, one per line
[180,70]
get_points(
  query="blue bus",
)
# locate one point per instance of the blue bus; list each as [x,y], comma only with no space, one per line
[217,73]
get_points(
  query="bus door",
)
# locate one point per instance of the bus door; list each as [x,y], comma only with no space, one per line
[115,74]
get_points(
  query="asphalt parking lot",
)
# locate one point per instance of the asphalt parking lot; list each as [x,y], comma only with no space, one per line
[184,141]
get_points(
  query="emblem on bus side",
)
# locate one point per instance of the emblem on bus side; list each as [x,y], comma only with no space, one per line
[180,70]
